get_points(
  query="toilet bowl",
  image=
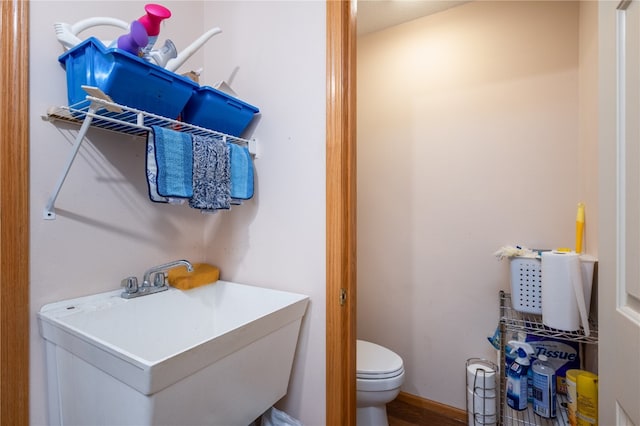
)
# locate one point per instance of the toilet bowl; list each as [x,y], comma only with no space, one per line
[380,373]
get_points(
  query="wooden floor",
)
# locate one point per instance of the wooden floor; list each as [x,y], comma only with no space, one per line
[401,413]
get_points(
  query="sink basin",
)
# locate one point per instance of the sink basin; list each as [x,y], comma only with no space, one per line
[219,354]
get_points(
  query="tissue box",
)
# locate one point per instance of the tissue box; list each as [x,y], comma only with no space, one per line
[216,110]
[127,79]
[563,355]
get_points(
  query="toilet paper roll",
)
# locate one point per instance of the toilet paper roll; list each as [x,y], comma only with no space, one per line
[481,409]
[563,304]
[482,392]
[480,377]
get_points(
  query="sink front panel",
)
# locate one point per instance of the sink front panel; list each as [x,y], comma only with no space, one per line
[221,352]
[233,391]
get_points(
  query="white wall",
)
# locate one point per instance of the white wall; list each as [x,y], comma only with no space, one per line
[588,149]
[107,229]
[290,167]
[275,52]
[468,140]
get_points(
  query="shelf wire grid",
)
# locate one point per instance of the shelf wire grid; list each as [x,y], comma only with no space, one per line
[109,115]
[532,323]
[528,417]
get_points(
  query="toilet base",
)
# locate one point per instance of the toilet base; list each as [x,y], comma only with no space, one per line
[372,416]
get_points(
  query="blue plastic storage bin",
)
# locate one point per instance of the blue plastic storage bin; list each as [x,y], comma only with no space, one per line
[127,79]
[216,110]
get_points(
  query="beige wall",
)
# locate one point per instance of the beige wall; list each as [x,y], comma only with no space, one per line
[588,56]
[589,173]
[107,228]
[273,54]
[469,138]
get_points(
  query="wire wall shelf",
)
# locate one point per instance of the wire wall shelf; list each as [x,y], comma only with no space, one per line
[108,115]
[99,111]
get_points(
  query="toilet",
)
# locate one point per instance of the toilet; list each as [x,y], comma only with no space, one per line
[380,373]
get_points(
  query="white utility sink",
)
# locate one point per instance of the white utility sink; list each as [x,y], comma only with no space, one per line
[220,354]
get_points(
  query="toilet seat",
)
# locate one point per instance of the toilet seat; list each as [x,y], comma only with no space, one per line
[375,362]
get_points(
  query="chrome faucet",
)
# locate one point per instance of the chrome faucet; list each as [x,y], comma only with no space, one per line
[159,280]
[162,269]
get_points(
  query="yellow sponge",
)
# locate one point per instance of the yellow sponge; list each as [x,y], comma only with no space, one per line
[202,274]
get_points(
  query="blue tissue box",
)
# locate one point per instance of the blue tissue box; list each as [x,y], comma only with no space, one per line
[212,109]
[127,79]
[563,355]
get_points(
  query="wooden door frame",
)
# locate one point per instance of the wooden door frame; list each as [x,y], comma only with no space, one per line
[340,210]
[341,214]
[14,213]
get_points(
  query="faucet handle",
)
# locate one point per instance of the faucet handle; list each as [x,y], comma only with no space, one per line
[160,279]
[130,284]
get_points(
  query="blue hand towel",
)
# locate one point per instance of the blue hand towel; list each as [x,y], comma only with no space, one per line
[174,161]
[152,171]
[211,174]
[241,172]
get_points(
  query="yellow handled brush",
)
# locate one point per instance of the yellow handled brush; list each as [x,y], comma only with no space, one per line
[579,227]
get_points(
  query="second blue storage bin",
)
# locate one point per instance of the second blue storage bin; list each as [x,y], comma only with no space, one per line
[213,109]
